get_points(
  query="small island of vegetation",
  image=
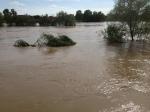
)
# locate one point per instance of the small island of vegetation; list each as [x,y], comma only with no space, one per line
[47,40]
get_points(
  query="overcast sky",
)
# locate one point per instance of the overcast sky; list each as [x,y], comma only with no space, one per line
[51,7]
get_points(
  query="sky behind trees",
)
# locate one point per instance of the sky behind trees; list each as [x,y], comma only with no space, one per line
[51,7]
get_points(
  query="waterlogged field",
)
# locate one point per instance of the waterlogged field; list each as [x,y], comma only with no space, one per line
[92,76]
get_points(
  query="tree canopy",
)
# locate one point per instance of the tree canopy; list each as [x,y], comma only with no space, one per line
[1,19]
[134,13]
[12,18]
[79,16]
[89,16]
[64,19]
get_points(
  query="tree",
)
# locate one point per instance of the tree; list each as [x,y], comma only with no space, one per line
[130,12]
[70,20]
[87,16]
[111,16]
[25,20]
[146,13]
[63,19]
[10,16]
[13,13]
[45,20]
[95,17]
[101,16]
[1,19]
[79,15]
[6,12]
[7,15]
[114,33]
[13,16]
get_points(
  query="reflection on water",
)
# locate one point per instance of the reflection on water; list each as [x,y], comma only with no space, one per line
[92,76]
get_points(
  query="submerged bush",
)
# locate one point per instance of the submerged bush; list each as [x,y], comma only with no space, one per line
[1,19]
[114,33]
[52,41]
[66,40]
[21,43]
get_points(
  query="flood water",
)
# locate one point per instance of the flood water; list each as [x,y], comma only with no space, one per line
[92,76]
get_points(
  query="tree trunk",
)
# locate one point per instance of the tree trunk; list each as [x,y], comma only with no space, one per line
[132,36]
[131,31]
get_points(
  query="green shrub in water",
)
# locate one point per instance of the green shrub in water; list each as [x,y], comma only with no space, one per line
[66,40]
[52,41]
[21,43]
[114,33]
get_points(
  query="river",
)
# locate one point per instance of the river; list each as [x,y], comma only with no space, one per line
[92,76]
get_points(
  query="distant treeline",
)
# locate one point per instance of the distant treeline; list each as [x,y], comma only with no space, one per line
[89,16]
[12,18]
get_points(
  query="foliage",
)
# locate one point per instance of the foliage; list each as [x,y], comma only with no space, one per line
[143,31]
[45,20]
[114,33]
[9,16]
[52,41]
[79,16]
[89,16]
[25,20]
[98,16]
[61,19]
[70,20]
[111,16]
[64,19]
[146,14]
[1,19]
[21,43]
[66,40]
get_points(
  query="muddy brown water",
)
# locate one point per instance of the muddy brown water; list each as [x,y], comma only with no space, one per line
[92,76]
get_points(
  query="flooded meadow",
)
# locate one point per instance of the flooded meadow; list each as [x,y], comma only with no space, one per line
[92,76]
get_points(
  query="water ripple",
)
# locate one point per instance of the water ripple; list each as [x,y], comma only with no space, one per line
[129,107]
